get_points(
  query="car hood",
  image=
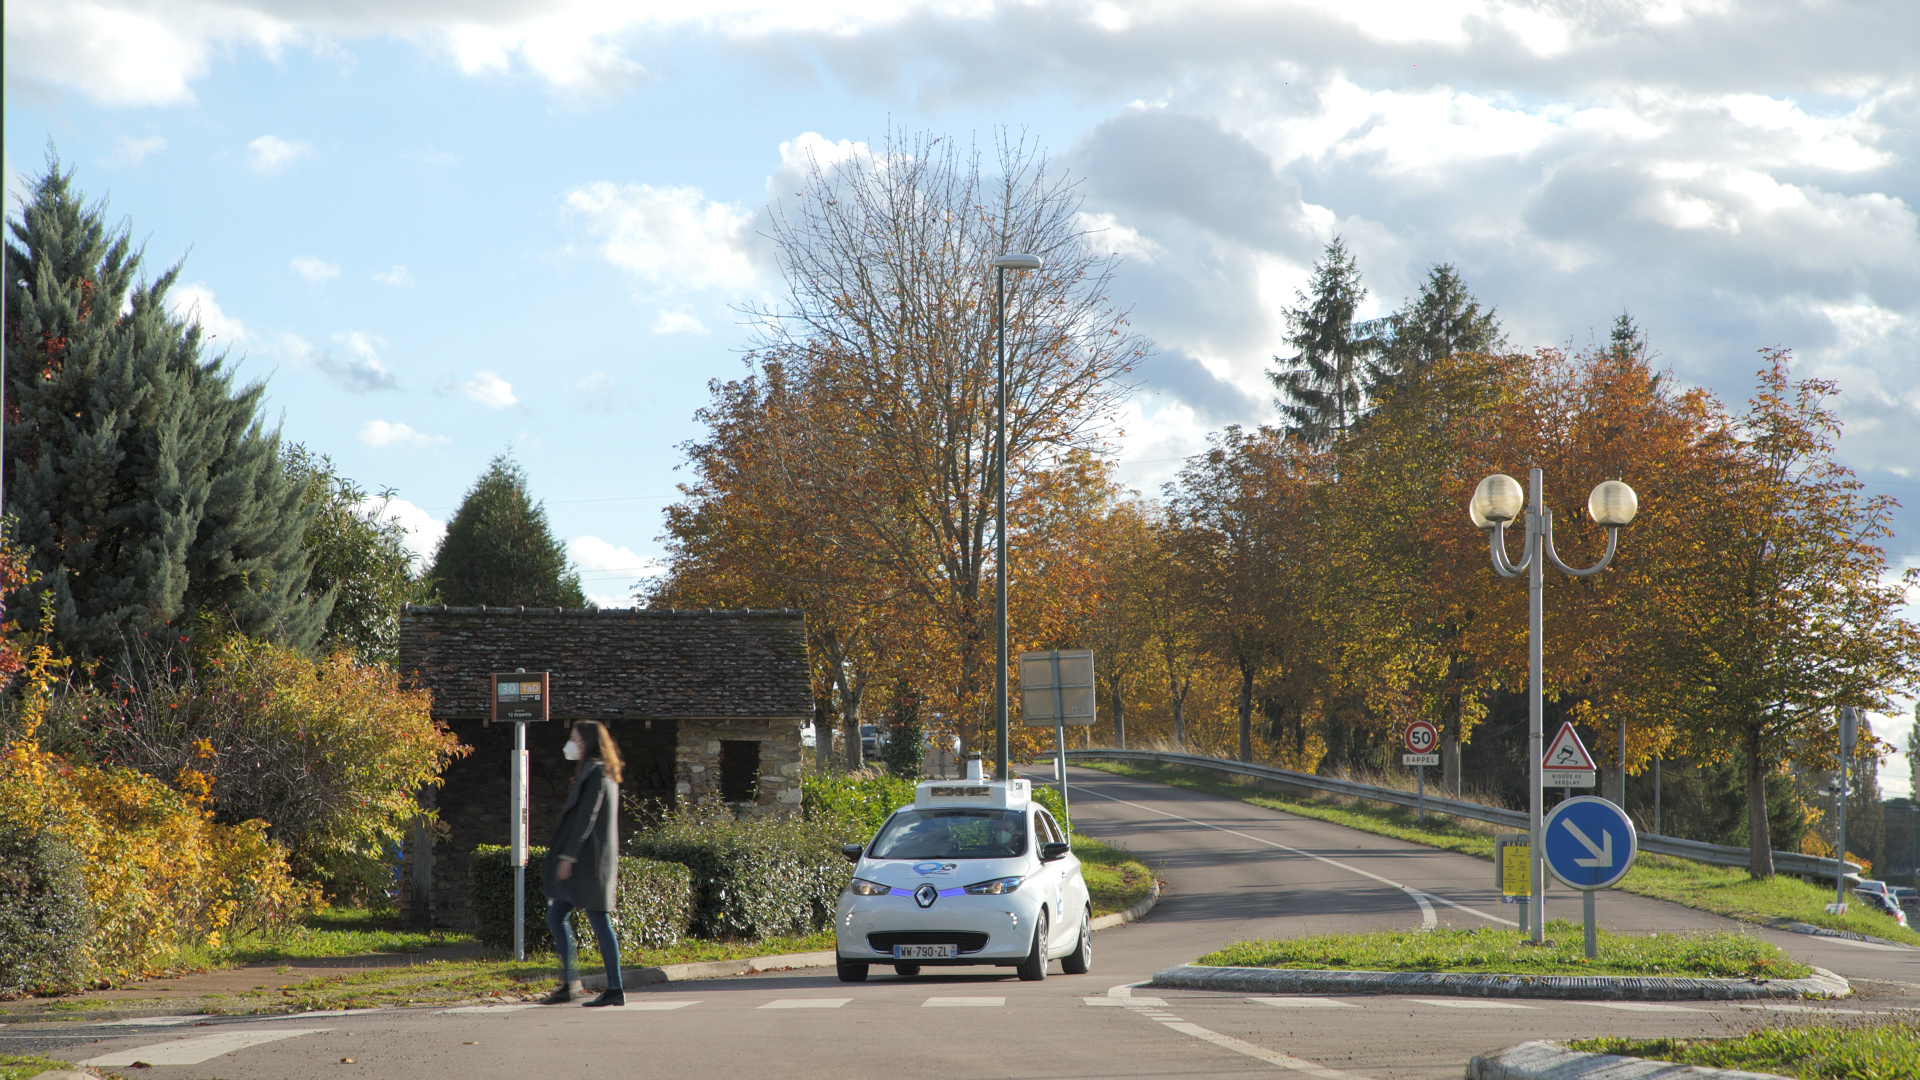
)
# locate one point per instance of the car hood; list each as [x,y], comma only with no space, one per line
[943,874]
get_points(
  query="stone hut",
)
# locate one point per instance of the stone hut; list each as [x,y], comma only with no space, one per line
[705,705]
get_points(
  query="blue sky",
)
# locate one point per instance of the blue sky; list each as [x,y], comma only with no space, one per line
[443,229]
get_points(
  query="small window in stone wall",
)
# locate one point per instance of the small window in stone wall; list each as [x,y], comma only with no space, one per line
[739,770]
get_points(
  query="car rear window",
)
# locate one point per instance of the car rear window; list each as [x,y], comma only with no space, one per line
[959,833]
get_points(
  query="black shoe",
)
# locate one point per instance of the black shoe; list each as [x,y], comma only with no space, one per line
[564,993]
[607,997]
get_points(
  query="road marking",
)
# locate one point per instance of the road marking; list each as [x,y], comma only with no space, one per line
[1860,944]
[1472,1003]
[1637,1006]
[1304,1002]
[489,1008]
[195,1051]
[660,1005]
[806,1003]
[1421,898]
[963,1002]
[1770,1006]
[1261,1053]
[145,1021]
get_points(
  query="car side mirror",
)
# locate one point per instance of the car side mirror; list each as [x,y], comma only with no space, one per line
[852,851]
[1054,850]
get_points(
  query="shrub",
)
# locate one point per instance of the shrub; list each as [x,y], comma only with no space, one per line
[43,913]
[1048,795]
[757,878]
[655,898]
[862,800]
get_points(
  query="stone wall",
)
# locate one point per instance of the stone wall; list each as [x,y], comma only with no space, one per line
[697,762]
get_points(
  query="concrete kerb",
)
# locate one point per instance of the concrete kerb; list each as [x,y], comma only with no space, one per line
[1820,931]
[1822,984]
[721,969]
[1547,1061]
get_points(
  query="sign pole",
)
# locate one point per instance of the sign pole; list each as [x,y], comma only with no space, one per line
[1847,735]
[1059,734]
[1586,914]
[516,698]
[1421,770]
[519,819]
[1536,709]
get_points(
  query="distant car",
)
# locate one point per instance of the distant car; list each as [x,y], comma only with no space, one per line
[872,741]
[1882,902]
[1909,901]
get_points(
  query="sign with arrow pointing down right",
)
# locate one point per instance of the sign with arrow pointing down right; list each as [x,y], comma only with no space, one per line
[1590,843]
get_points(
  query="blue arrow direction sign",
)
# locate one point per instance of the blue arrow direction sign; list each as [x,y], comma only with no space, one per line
[1590,842]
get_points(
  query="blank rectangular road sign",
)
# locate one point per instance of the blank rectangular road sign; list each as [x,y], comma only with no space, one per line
[1037,689]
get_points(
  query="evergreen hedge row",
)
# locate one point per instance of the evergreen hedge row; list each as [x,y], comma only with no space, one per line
[753,879]
[655,898]
[44,926]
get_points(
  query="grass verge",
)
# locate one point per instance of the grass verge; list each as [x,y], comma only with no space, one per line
[23,1066]
[1722,890]
[1500,952]
[1869,1048]
[1115,879]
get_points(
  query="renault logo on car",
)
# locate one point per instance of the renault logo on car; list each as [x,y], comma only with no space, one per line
[925,895]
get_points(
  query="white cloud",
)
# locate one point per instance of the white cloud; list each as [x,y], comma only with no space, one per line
[668,237]
[362,372]
[399,277]
[608,572]
[490,390]
[423,530]
[131,151]
[680,320]
[270,153]
[195,303]
[380,434]
[315,270]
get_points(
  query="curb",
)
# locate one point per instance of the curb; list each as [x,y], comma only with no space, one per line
[1821,931]
[1822,984]
[721,969]
[1546,1061]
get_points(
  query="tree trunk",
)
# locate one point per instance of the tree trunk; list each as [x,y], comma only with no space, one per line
[1246,711]
[851,691]
[1119,700]
[1450,747]
[1759,844]
[1179,695]
[822,734]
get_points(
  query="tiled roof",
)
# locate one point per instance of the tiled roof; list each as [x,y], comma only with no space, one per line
[614,663]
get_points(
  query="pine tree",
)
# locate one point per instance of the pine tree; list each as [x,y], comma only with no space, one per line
[139,478]
[1444,320]
[498,550]
[1323,392]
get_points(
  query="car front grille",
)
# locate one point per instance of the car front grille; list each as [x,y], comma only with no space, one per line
[967,941]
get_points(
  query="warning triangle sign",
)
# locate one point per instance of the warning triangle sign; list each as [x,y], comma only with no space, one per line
[1567,752]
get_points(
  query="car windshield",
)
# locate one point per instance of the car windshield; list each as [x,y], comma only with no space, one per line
[958,833]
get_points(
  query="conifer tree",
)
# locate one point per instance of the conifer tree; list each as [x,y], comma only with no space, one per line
[1323,391]
[498,550]
[1444,320]
[139,477]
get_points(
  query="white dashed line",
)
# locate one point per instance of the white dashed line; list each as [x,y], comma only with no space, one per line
[1637,1006]
[195,1051]
[660,1005]
[806,1003]
[489,1009]
[1472,1003]
[1261,1053]
[1304,1002]
[145,1021]
[963,1002]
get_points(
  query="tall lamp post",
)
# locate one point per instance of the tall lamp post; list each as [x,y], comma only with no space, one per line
[1002,264]
[1497,501]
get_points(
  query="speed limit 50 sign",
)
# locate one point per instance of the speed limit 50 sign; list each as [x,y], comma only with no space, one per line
[1422,737]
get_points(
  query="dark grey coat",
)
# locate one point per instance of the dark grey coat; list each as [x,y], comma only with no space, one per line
[589,831]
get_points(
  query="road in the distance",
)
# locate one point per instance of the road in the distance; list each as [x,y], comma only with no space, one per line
[1235,871]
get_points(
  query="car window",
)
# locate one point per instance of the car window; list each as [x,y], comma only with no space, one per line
[1049,832]
[959,833]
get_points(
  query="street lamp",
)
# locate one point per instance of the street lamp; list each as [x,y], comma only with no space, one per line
[1497,501]
[1002,264]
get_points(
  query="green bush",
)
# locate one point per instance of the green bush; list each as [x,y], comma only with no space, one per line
[862,801]
[1049,797]
[755,878]
[655,898]
[44,926]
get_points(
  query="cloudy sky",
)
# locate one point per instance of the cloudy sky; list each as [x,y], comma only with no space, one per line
[441,229]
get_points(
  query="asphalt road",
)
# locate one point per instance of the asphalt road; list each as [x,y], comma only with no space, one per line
[1235,871]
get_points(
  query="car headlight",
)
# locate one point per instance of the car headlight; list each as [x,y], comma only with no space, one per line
[863,887]
[996,887]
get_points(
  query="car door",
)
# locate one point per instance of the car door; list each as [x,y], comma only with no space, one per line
[1065,891]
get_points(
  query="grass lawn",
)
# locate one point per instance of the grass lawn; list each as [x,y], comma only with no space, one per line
[1723,890]
[332,932]
[22,1066]
[1116,880]
[1496,952]
[1869,1048]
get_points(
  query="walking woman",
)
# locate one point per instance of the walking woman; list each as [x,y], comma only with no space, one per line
[583,861]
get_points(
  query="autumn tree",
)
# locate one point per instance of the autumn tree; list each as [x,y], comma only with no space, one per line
[360,559]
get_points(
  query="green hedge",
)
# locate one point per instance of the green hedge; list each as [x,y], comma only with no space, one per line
[43,914]
[656,902]
[753,879]
[863,802]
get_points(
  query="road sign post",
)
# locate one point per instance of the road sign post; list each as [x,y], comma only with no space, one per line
[1056,689]
[1420,739]
[1590,845]
[519,697]
[1511,862]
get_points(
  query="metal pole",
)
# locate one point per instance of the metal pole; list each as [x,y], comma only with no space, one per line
[1621,763]
[1840,797]
[1536,708]
[519,841]
[1059,730]
[1656,798]
[1000,532]
[1586,914]
[1421,770]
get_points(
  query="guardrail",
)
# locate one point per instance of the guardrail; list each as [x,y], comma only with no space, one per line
[1784,862]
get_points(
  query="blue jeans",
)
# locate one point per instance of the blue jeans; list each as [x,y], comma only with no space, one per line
[557,912]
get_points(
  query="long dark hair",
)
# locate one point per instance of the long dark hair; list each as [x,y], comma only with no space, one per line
[598,744]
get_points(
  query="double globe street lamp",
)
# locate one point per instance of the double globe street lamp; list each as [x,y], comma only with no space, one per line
[1497,501]
[1002,264]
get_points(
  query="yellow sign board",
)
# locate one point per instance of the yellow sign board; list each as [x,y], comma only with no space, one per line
[1511,866]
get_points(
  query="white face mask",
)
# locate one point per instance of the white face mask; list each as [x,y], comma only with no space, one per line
[571,751]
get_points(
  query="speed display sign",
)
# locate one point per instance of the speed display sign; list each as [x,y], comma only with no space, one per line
[1422,737]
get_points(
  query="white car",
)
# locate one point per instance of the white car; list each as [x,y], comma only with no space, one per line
[974,872]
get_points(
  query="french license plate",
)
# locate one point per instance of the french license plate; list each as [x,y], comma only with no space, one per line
[925,952]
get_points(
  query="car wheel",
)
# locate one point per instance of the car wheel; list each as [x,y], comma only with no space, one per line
[1080,960]
[906,971]
[1034,967]
[852,972]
